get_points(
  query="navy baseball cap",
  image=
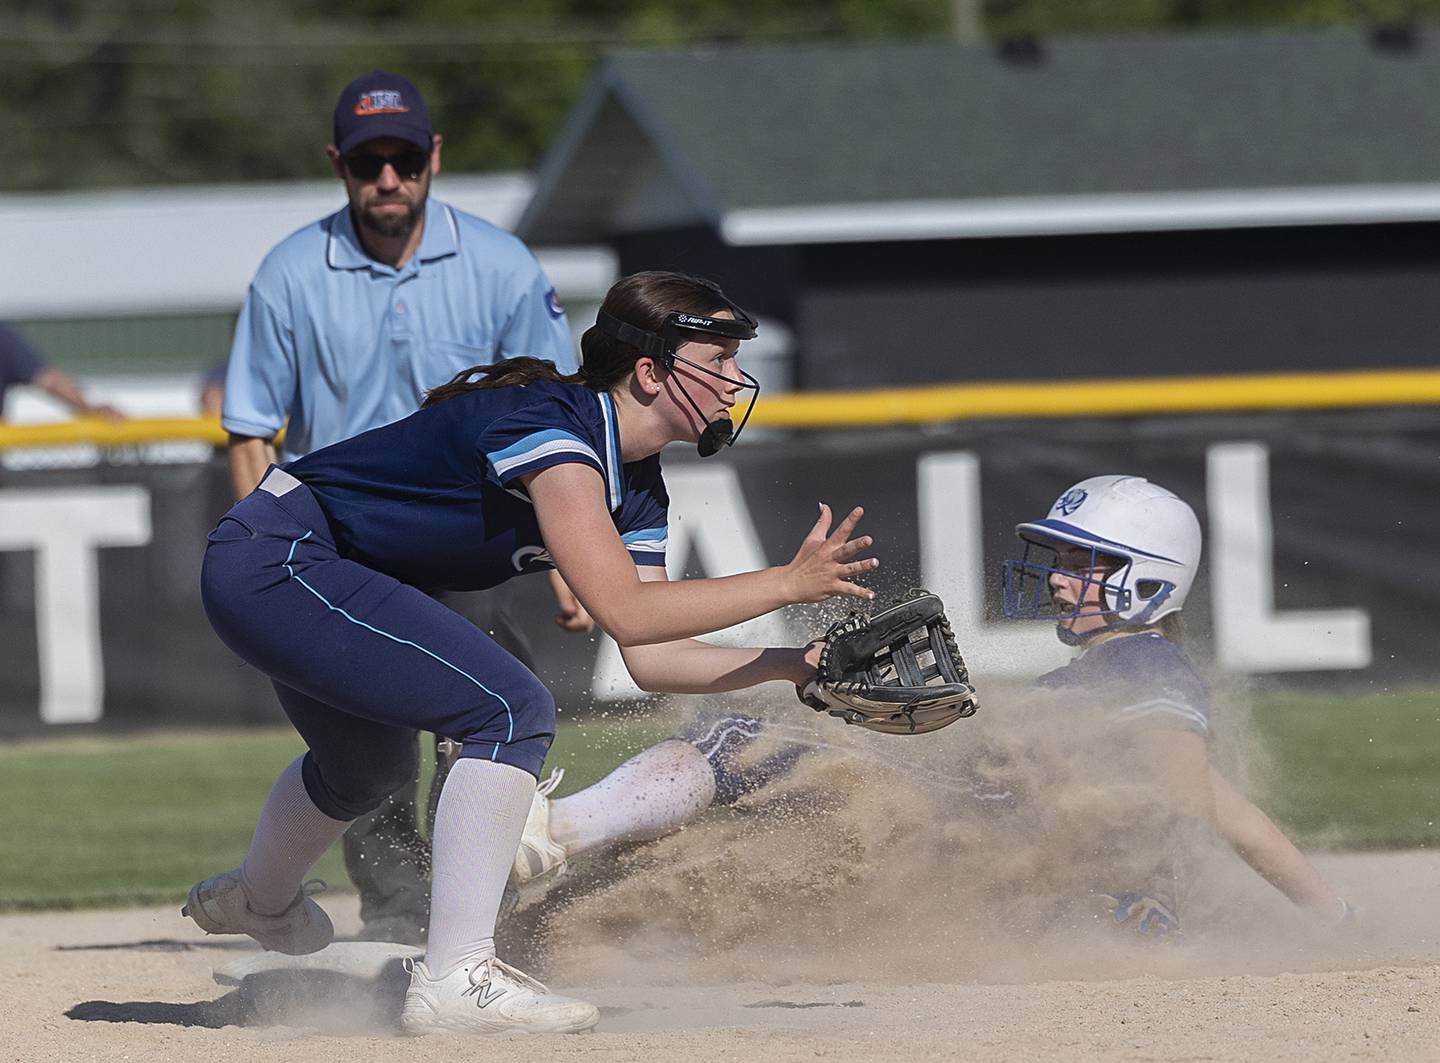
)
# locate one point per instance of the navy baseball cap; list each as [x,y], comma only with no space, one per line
[380,104]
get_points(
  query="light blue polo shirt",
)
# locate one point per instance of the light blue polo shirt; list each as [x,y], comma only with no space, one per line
[338,343]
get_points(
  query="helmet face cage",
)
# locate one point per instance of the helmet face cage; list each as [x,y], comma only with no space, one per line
[677,329]
[1027,594]
[1143,543]
[746,331]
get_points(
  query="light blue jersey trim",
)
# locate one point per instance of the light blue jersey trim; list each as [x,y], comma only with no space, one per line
[538,445]
[1164,707]
[510,734]
[648,540]
[612,450]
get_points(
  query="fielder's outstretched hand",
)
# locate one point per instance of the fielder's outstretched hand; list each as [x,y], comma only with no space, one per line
[826,563]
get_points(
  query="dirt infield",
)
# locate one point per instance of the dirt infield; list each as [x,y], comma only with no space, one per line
[137,985]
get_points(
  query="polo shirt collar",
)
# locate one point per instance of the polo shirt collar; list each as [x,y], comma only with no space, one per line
[442,236]
[441,239]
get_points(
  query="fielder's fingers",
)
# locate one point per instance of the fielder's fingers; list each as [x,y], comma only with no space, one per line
[848,550]
[821,528]
[842,533]
[855,591]
[859,568]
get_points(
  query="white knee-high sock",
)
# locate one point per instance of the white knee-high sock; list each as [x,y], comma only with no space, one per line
[655,792]
[477,830]
[290,836]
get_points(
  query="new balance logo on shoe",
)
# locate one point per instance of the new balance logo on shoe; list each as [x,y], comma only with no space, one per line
[460,1002]
[485,993]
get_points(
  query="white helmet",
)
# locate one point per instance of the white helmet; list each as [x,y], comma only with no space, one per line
[1152,533]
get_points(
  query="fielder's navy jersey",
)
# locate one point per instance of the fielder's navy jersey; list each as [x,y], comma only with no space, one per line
[435,500]
[1142,680]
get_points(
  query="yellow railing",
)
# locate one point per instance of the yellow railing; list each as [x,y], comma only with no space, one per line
[937,404]
[90,430]
[1131,396]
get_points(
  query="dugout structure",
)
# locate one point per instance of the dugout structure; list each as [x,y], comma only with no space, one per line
[1137,205]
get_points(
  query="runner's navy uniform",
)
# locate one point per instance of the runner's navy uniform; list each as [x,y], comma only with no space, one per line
[1141,680]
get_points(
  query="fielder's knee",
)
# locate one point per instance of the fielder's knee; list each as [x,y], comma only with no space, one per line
[347,788]
[519,732]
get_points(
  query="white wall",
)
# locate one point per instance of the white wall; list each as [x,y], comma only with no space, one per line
[194,248]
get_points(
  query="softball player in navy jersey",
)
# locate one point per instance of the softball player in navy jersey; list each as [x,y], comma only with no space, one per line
[1111,565]
[318,579]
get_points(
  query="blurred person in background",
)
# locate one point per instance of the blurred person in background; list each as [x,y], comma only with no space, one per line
[212,390]
[346,326]
[20,363]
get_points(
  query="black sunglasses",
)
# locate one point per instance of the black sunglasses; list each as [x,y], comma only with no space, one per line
[408,165]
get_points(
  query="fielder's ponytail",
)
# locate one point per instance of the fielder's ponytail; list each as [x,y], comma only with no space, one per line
[504,374]
[644,300]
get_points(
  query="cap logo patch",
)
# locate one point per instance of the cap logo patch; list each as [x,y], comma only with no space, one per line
[1071,500]
[552,304]
[381,101]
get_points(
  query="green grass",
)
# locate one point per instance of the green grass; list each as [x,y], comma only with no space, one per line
[94,822]
[1354,771]
[91,822]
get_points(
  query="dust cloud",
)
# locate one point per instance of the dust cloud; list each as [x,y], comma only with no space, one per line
[982,852]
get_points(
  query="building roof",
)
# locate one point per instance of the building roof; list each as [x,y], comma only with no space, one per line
[783,144]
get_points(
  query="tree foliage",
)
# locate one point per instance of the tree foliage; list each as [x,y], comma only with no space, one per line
[166,91]
[1040,17]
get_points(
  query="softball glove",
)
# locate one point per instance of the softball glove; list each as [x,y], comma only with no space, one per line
[896,672]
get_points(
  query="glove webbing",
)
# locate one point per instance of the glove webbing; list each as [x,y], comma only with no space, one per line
[897,671]
[926,656]
[912,656]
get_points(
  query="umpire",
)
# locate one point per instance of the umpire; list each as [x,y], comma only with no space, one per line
[347,324]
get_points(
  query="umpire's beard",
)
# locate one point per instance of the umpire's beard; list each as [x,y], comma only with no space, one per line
[393,226]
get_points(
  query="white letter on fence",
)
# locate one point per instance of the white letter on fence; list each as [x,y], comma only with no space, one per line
[1250,636]
[64,527]
[708,513]
[952,560]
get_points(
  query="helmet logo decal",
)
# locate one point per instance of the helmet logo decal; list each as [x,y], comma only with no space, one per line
[1071,500]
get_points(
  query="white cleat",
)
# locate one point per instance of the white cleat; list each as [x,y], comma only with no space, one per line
[488,997]
[219,906]
[540,856]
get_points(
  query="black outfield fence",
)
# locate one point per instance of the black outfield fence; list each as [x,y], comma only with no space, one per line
[1322,553]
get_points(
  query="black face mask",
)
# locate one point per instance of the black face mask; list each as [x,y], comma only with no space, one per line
[662,345]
